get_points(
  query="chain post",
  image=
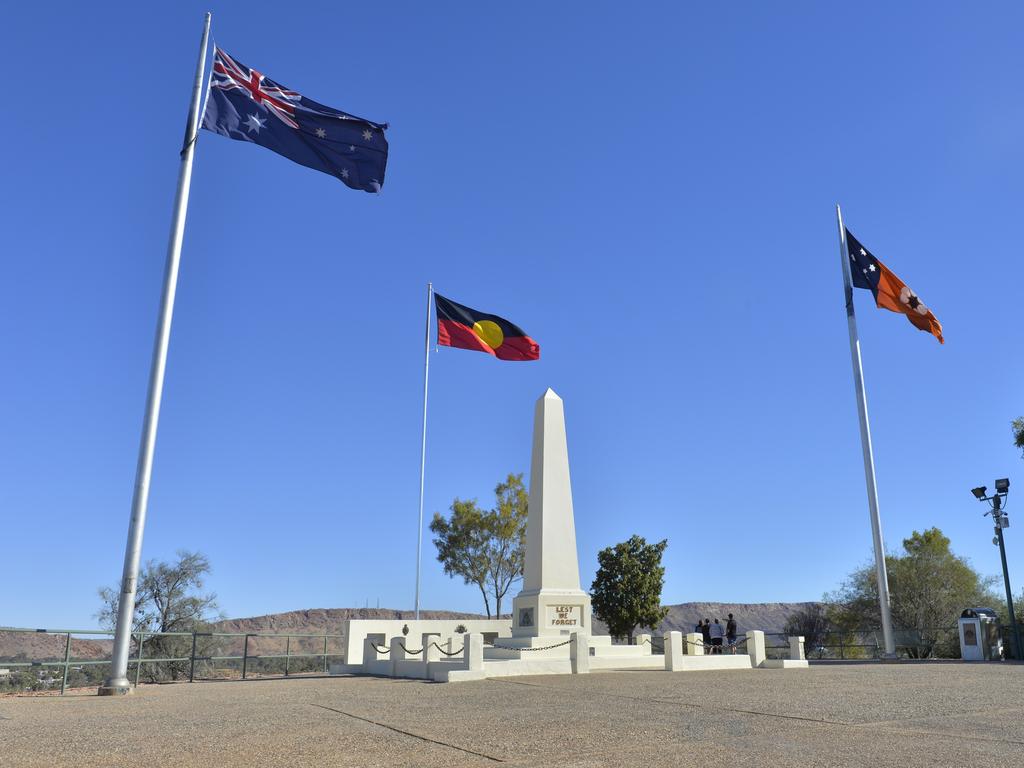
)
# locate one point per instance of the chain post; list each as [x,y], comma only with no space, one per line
[67,656]
[325,653]
[287,653]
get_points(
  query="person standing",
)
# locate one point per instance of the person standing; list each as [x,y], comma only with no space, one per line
[705,632]
[730,634]
[717,633]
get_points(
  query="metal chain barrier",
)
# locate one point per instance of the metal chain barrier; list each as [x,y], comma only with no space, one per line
[708,646]
[414,653]
[380,649]
[453,653]
[545,648]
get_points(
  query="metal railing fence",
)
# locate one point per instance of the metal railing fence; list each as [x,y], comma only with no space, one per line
[202,648]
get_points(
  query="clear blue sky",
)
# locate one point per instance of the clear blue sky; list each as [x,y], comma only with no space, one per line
[648,191]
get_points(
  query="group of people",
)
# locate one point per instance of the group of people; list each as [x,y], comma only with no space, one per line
[715,633]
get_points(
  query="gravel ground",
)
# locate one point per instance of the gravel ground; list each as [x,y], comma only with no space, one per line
[941,714]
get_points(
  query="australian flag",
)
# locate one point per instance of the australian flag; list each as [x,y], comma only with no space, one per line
[246,105]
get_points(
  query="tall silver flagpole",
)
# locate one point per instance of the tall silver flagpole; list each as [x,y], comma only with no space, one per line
[423,448]
[117,682]
[865,441]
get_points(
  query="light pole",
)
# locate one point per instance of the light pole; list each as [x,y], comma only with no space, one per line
[996,501]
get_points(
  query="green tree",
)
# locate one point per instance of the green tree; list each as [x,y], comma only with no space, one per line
[626,592]
[169,599]
[812,623]
[1017,425]
[929,586]
[485,547]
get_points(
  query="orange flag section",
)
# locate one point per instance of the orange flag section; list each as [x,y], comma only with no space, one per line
[894,295]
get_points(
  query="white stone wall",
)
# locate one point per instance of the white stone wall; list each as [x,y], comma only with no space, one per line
[356,631]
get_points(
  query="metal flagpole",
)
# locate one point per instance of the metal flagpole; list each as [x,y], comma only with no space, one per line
[423,448]
[865,441]
[117,682]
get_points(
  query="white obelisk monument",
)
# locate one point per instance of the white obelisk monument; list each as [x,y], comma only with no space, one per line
[551,603]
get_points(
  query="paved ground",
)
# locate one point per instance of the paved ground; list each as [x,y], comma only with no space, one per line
[942,714]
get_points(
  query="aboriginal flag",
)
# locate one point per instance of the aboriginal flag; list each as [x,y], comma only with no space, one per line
[890,292]
[465,328]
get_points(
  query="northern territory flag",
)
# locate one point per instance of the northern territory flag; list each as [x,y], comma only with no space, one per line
[465,328]
[890,292]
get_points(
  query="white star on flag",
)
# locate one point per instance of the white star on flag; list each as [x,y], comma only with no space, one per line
[863,252]
[344,173]
[871,267]
[321,133]
[367,134]
[253,124]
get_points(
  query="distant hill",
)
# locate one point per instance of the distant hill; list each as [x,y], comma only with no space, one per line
[327,619]
[769,617]
[37,646]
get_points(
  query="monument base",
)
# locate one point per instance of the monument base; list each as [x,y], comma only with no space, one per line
[547,614]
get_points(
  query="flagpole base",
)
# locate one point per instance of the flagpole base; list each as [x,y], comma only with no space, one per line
[115,687]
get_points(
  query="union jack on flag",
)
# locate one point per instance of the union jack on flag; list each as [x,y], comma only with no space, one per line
[229,75]
[246,105]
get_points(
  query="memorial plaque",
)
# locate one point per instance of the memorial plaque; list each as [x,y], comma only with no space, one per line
[565,616]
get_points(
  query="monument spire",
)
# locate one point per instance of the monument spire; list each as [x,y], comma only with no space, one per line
[551,601]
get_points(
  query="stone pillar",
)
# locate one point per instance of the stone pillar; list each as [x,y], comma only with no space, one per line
[673,651]
[644,641]
[695,644]
[473,652]
[796,648]
[397,654]
[370,652]
[430,652]
[579,653]
[755,646]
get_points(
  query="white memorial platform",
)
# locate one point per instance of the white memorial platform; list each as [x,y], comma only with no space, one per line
[549,633]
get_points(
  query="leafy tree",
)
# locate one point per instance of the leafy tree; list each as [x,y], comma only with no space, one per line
[929,586]
[812,623]
[485,547]
[1017,425]
[627,589]
[168,599]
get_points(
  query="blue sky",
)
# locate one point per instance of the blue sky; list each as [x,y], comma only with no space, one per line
[648,191]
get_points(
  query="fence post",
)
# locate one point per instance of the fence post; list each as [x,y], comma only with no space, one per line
[67,655]
[287,653]
[325,653]
[245,657]
[192,661]
[842,653]
[138,662]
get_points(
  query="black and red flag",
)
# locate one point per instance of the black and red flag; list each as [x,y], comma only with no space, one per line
[890,292]
[465,328]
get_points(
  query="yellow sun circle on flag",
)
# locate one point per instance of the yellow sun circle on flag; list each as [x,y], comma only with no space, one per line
[489,332]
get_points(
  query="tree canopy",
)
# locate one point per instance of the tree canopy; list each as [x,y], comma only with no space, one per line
[1017,425]
[485,546]
[929,586]
[626,592]
[169,598]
